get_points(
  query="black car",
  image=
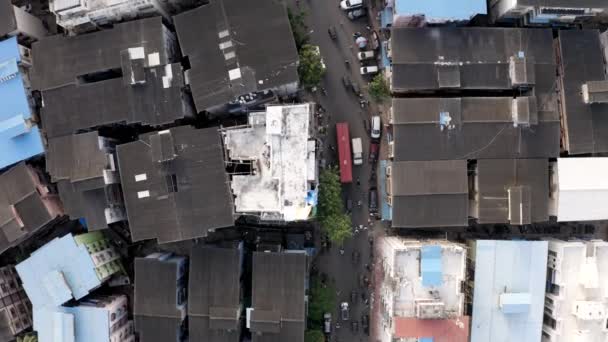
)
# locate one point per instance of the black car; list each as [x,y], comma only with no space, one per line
[357,13]
[372,204]
[354,326]
[332,32]
[347,82]
[353,297]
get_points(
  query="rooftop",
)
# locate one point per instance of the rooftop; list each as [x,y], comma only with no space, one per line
[582,188]
[59,271]
[160,303]
[156,99]
[513,191]
[430,59]
[61,60]
[278,297]
[214,304]
[441,10]
[8,22]
[429,193]
[26,205]
[228,44]
[278,144]
[86,322]
[585,125]
[474,128]
[509,292]
[167,177]
[19,135]
[577,273]
[82,166]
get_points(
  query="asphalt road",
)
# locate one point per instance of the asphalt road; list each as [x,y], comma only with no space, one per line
[342,105]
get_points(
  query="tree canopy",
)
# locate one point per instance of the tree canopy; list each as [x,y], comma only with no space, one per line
[314,336]
[334,221]
[379,88]
[322,300]
[298,27]
[311,69]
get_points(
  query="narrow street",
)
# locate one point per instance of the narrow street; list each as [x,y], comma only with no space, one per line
[342,105]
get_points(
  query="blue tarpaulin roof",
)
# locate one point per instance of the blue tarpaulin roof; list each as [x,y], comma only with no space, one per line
[387,211]
[18,141]
[425,339]
[432,273]
[442,9]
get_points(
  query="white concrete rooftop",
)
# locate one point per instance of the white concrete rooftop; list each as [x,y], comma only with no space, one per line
[404,272]
[277,142]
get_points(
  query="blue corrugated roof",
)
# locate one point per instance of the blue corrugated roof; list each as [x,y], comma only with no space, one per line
[17,141]
[432,273]
[386,210]
[58,271]
[89,324]
[441,9]
[425,339]
[508,267]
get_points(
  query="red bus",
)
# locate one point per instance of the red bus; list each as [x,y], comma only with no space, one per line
[344,155]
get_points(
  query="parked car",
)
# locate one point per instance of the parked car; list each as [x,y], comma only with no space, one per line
[369,70]
[353,297]
[348,5]
[374,149]
[376,128]
[365,323]
[346,81]
[363,55]
[356,257]
[327,323]
[332,32]
[354,326]
[344,311]
[356,89]
[373,201]
[356,13]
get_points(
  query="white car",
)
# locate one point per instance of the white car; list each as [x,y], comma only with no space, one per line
[363,55]
[368,70]
[348,5]
[375,129]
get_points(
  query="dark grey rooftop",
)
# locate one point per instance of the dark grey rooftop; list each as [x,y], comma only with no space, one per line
[156,288]
[59,60]
[75,108]
[278,297]
[225,35]
[500,181]
[22,209]
[158,329]
[214,304]
[76,163]
[478,128]
[564,3]
[8,23]
[178,171]
[429,193]
[429,59]
[585,125]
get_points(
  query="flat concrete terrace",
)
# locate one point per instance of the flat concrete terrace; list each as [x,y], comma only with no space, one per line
[276,142]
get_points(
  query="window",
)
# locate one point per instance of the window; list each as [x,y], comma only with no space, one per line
[171,181]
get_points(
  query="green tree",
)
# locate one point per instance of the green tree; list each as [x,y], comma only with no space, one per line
[322,300]
[311,69]
[314,336]
[378,88]
[334,221]
[298,27]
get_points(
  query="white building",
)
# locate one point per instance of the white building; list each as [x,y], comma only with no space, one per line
[538,12]
[277,149]
[420,293]
[86,15]
[579,189]
[576,302]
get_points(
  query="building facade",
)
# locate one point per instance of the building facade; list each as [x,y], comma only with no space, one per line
[543,12]
[15,307]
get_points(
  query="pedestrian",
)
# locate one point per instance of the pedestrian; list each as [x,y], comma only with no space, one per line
[358,182]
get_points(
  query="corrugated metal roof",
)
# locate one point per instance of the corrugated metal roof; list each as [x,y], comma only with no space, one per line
[441,10]
[18,141]
[430,265]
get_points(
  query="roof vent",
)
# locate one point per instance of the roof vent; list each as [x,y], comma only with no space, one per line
[163,149]
[595,92]
[133,62]
[521,71]
[524,111]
